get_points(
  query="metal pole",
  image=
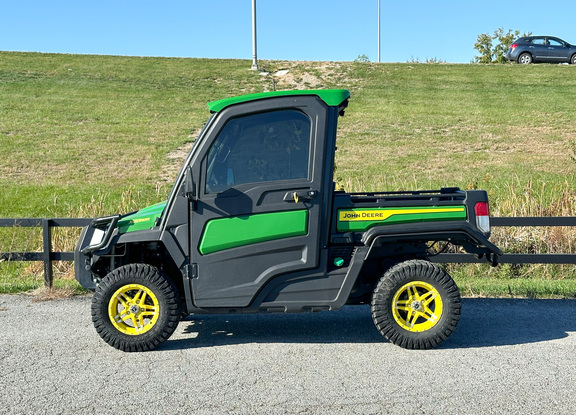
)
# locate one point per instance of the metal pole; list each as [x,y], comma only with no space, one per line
[254,54]
[378,31]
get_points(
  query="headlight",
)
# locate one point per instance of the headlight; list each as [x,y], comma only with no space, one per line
[97,237]
[102,229]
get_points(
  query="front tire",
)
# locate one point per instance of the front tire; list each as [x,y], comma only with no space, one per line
[416,305]
[573,60]
[525,59]
[135,308]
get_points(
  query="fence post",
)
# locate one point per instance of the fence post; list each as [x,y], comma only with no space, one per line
[47,251]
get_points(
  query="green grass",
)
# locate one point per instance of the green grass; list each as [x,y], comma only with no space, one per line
[85,136]
[20,277]
[71,126]
[438,124]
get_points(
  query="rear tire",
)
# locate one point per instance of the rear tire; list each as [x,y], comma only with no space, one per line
[525,58]
[135,308]
[416,305]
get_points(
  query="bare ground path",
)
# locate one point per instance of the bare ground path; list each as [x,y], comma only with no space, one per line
[507,356]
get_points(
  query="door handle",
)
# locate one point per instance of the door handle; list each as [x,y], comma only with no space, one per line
[300,196]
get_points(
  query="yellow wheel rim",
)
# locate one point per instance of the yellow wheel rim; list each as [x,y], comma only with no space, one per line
[133,309]
[417,306]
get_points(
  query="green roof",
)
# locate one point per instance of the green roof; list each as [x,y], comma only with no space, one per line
[332,97]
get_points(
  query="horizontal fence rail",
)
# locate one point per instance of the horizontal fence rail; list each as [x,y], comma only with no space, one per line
[519,258]
[47,255]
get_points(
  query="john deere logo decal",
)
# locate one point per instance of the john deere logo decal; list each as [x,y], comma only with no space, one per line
[362,219]
[363,215]
[139,220]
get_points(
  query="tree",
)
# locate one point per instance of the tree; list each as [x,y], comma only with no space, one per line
[492,48]
[484,46]
[362,58]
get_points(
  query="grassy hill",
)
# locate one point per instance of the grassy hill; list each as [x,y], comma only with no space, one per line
[93,135]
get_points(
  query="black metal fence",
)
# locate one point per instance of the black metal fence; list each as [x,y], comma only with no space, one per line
[566,258]
[47,255]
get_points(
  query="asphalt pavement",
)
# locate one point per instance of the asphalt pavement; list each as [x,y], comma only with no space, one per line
[506,356]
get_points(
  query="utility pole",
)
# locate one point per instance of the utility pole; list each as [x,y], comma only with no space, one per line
[378,31]
[254,54]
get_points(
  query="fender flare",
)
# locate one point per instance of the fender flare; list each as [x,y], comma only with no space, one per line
[458,233]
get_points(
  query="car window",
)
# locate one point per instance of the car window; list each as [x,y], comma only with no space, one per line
[539,41]
[555,43]
[261,147]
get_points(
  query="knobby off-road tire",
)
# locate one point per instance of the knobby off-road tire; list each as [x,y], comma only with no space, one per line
[135,308]
[416,305]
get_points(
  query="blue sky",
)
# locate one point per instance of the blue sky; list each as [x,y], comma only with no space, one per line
[334,30]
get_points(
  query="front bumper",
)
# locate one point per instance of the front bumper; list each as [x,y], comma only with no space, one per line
[94,237]
[82,264]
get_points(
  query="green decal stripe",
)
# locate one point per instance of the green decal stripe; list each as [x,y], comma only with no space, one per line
[332,97]
[225,233]
[362,219]
[143,219]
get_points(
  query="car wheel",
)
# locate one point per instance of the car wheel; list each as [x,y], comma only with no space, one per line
[573,60]
[525,58]
[135,308]
[416,305]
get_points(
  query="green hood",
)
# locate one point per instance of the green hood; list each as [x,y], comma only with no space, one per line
[141,220]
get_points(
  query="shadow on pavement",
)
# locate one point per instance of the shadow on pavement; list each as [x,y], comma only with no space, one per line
[485,322]
[351,324]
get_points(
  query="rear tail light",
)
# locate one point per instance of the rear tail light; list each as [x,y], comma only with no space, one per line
[482,216]
[514,46]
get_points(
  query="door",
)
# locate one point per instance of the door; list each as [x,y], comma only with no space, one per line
[558,51]
[261,191]
[539,48]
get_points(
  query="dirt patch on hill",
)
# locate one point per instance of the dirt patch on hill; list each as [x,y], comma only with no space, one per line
[174,161]
[290,75]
